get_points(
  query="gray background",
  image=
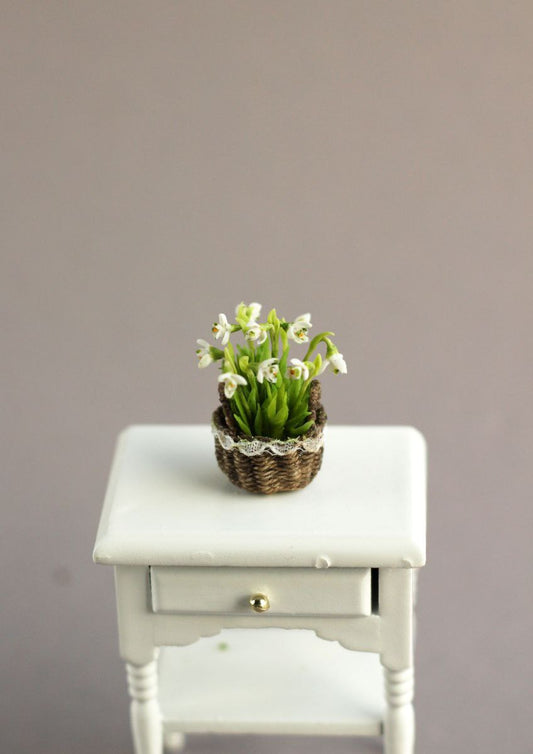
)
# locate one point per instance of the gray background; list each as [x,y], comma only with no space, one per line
[369,162]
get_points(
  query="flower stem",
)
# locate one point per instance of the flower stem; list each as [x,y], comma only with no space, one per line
[314,343]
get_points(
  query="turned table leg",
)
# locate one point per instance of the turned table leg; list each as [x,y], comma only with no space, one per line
[145,716]
[399,733]
[396,610]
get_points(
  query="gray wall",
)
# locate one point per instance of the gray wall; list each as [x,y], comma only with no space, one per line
[369,162]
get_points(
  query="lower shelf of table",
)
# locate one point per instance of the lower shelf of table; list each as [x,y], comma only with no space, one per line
[270,680]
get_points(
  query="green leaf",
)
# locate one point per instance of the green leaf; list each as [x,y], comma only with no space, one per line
[298,418]
[273,321]
[258,423]
[242,424]
[242,405]
[263,351]
[281,397]
[285,354]
[252,399]
[291,393]
[271,408]
[281,416]
[229,357]
[301,430]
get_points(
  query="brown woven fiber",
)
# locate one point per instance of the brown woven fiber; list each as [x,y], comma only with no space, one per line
[267,473]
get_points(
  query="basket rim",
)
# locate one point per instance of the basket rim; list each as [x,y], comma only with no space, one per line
[256,445]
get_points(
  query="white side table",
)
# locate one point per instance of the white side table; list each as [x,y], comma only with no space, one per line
[195,559]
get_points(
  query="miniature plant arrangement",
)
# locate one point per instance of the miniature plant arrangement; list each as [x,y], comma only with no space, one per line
[269,427]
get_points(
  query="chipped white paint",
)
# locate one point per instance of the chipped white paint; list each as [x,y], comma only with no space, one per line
[202,558]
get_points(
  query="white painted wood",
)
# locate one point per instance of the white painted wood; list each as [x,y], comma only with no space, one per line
[361,634]
[141,630]
[189,549]
[290,591]
[169,504]
[396,611]
[399,733]
[135,617]
[270,681]
[145,714]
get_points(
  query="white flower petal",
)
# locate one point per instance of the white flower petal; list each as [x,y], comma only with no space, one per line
[231,381]
[268,368]
[337,363]
[323,366]
[205,360]
[304,319]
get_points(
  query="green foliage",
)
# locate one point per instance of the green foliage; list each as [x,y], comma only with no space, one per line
[273,411]
[280,409]
[269,395]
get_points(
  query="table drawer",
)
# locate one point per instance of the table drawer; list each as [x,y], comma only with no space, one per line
[288,591]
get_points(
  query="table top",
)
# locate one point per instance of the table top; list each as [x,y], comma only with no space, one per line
[169,504]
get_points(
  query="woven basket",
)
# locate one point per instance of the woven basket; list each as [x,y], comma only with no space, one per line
[273,469]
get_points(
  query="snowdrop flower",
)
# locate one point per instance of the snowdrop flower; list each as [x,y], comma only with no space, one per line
[297,370]
[203,353]
[252,310]
[232,381]
[221,329]
[297,330]
[337,363]
[255,332]
[268,369]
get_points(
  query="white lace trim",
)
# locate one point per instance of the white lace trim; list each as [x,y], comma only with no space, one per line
[275,447]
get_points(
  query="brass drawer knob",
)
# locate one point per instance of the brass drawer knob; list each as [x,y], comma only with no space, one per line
[259,603]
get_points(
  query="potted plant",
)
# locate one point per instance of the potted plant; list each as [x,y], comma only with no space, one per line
[269,426]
